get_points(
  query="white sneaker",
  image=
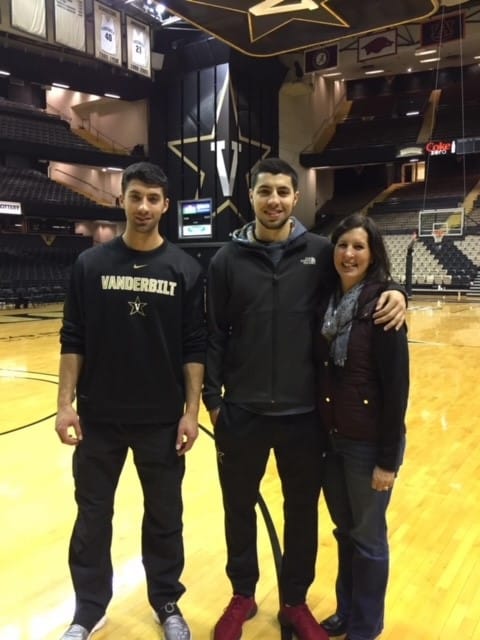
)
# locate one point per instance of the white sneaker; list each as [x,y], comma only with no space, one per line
[77,632]
[174,627]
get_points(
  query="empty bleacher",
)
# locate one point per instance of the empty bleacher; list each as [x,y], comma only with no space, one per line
[451,264]
[381,121]
[35,271]
[42,197]
[30,186]
[32,132]
[19,123]
[457,113]
[435,193]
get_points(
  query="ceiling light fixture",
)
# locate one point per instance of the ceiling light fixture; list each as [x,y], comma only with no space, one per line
[59,85]
[374,72]
[112,95]
[427,52]
[332,75]
[4,73]
[170,20]
[429,60]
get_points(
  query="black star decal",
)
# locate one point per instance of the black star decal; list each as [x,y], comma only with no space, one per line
[226,142]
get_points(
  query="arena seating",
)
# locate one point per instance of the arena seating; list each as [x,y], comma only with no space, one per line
[457,113]
[34,271]
[20,123]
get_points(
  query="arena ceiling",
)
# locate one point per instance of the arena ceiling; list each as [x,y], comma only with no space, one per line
[276,27]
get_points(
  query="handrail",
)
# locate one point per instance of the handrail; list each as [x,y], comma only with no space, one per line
[91,129]
[325,122]
[62,115]
[110,195]
[100,135]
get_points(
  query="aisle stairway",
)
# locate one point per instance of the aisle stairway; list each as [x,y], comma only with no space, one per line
[475,286]
[101,142]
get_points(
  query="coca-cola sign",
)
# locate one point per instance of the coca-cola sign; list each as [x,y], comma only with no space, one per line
[440,148]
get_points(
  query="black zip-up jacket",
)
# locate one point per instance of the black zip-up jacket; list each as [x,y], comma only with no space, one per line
[261,317]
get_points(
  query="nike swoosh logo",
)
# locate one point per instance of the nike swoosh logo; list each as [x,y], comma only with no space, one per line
[139,266]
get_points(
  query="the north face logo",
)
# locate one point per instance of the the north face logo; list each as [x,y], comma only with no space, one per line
[308,260]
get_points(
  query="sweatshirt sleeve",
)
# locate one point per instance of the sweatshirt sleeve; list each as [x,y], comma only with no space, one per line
[72,331]
[194,329]
[395,286]
[218,331]
[391,353]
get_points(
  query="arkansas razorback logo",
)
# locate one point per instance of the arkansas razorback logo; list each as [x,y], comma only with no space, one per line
[377,45]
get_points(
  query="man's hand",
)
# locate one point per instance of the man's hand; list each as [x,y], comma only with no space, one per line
[391,310]
[382,480]
[187,434]
[67,425]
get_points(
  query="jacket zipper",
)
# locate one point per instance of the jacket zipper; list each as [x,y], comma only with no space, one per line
[274,335]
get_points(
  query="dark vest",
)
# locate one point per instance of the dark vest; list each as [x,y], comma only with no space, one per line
[349,397]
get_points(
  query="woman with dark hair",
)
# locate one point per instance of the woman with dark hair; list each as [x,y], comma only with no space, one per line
[363,393]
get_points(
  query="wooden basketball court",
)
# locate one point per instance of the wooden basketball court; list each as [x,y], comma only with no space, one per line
[434,591]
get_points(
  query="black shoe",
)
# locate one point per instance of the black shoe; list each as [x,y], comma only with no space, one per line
[334,625]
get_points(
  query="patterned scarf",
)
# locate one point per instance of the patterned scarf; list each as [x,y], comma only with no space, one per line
[337,323]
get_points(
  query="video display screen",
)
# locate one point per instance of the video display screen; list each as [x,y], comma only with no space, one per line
[195,218]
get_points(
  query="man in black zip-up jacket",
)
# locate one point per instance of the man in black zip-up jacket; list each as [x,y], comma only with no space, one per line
[259,388]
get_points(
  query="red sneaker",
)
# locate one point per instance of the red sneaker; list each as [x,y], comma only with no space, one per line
[239,610]
[300,620]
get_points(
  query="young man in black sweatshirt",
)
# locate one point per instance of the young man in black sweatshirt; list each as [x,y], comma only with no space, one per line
[132,354]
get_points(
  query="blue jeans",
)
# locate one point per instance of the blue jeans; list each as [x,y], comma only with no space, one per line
[359,515]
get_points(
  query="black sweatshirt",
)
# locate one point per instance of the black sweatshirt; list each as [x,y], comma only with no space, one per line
[136,317]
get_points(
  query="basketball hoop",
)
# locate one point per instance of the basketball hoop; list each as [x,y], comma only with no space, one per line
[438,235]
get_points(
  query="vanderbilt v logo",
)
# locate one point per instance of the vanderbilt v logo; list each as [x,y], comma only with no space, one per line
[226,181]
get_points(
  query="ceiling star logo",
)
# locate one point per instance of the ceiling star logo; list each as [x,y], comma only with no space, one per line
[137,307]
[266,17]
[273,27]
[270,15]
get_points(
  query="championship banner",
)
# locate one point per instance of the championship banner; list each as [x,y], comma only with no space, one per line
[10,208]
[321,59]
[444,29]
[29,15]
[108,34]
[70,23]
[378,45]
[138,47]
[273,27]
